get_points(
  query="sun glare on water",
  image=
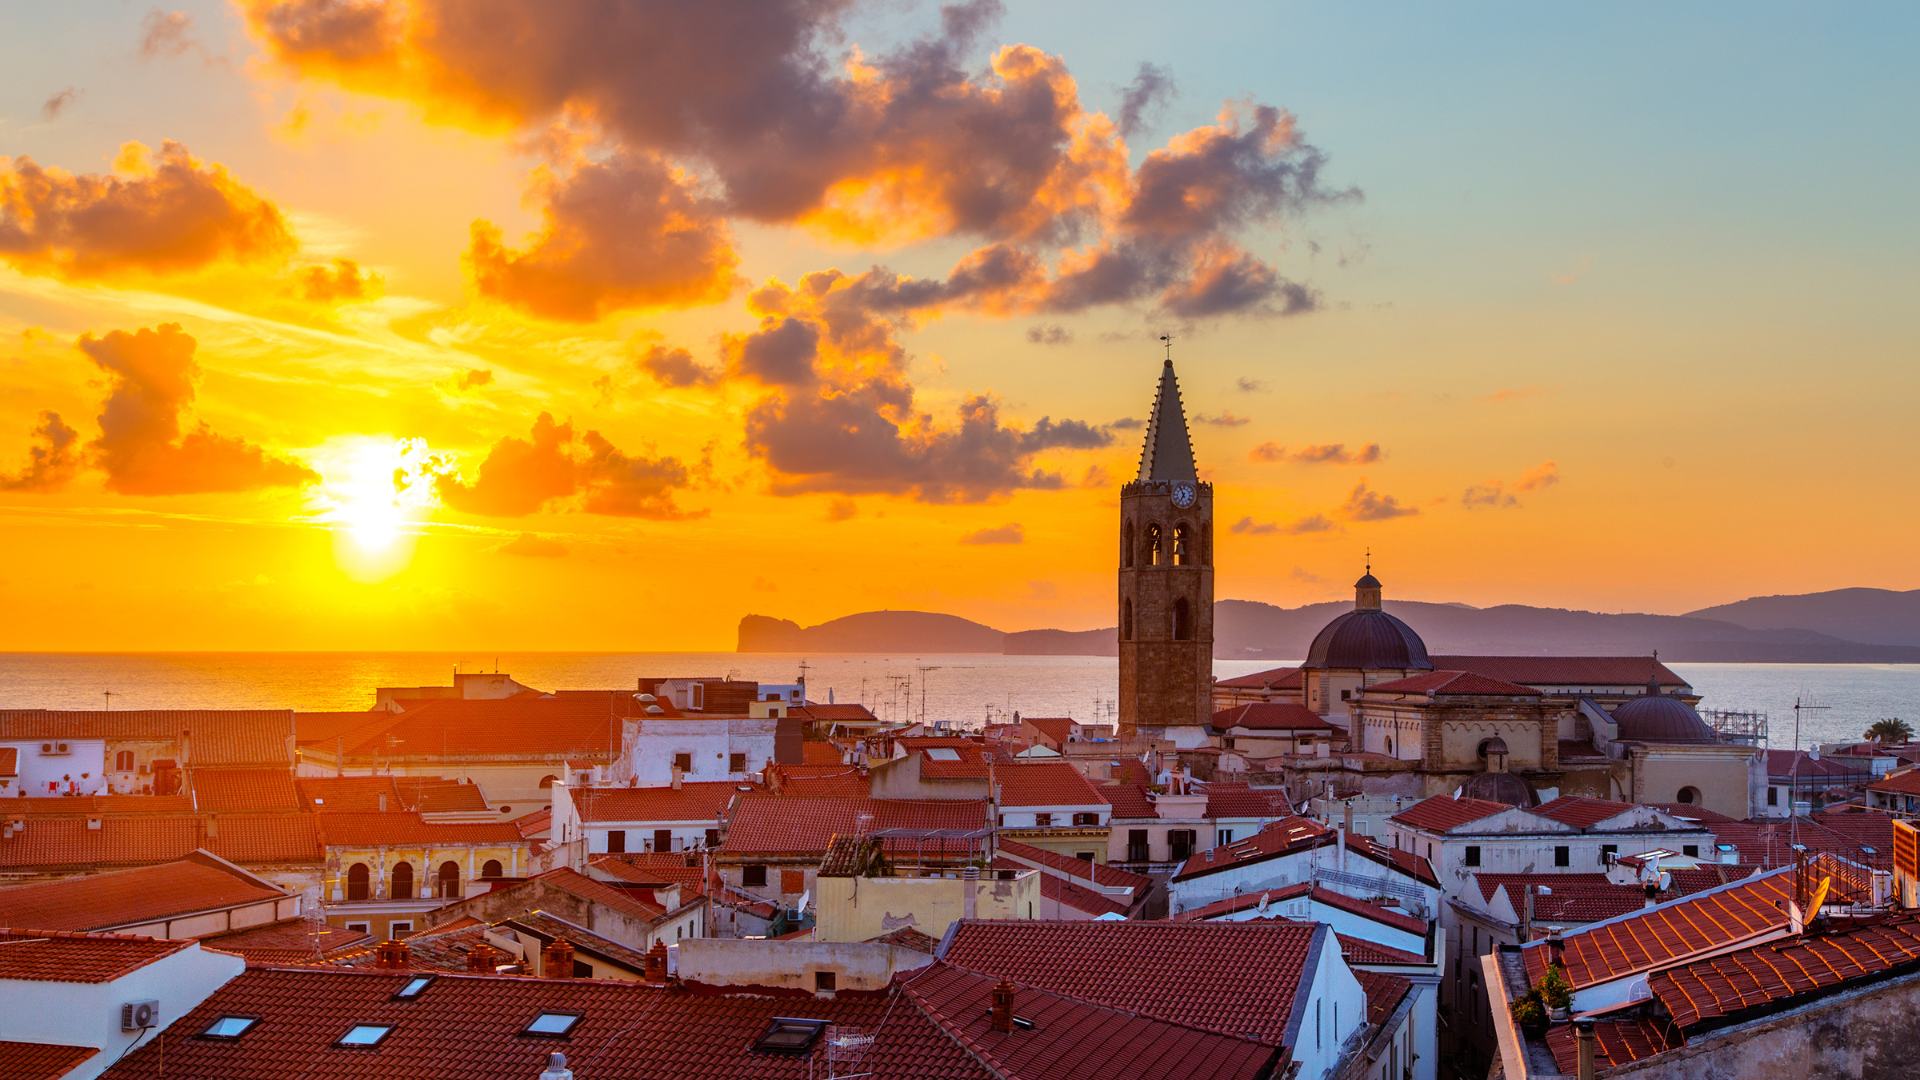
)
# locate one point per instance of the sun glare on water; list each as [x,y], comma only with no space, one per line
[374,493]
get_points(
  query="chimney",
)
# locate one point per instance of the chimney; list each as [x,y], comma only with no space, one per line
[556,961]
[654,970]
[93,823]
[392,954]
[1583,1040]
[480,958]
[213,827]
[383,802]
[1556,946]
[1346,826]
[557,1067]
[1001,1012]
[676,778]
[970,881]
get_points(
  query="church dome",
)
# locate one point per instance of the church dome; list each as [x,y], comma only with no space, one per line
[1367,638]
[1658,718]
[1500,787]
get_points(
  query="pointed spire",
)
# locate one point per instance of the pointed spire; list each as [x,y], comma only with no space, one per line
[1168,453]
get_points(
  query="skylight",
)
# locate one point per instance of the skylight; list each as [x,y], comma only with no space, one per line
[229,1027]
[943,753]
[554,1025]
[790,1035]
[365,1035]
[413,988]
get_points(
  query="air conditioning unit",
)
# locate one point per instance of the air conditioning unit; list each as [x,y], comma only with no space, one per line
[46,748]
[139,1015]
[63,748]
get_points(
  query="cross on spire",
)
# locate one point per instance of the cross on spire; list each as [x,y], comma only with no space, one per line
[1167,456]
[1167,340]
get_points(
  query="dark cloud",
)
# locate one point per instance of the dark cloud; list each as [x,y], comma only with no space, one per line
[1222,419]
[1004,534]
[1366,504]
[52,460]
[1049,334]
[1313,523]
[1318,453]
[1127,423]
[141,447]
[473,379]
[1482,496]
[1544,475]
[533,546]
[522,476]
[57,103]
[341,281]
[1248,385]
[842,509]
[781,352]
[164,215]
[671,366]
[166,33]
[1151,87]
[1069,434]
[622,233]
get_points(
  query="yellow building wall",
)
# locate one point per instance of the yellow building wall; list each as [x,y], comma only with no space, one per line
[857,909]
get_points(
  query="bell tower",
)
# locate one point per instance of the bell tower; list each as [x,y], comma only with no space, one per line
[1166,578]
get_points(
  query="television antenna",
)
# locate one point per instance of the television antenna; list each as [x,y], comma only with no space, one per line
[1793,773]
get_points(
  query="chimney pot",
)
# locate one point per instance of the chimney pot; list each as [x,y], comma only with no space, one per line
[558,959]
[655,968]
[383,802]
[1001,1014]
[480,958]
[1556,946]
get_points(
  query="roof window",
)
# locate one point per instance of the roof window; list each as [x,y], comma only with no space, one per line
[229,1027]
[790,1035]
[415,986]
[552,1025]
[365,1036]
[943,753]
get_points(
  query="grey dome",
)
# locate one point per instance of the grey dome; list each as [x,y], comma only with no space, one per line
[1658,718]
[1368,640]
[1500,787]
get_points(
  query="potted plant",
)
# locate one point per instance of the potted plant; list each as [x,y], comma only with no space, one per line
[1530,1013]
[1556,992]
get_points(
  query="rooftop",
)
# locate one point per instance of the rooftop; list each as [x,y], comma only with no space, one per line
[61,956]
[1570,671]
[1462,683]
[1284,837]
[1053,783]
[1281,678]
[703,802]
[42,1061]
[803,825]
[1764,975]
[410,827]
[1271,716]
[1443,813]
[119,898]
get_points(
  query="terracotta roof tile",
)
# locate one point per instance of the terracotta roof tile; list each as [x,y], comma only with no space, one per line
[407,827]
[1362,951]
[1128,800]
[1904,782]
[1271,716]
[1626,671]
[289,941]
[119,898]
[801,826]
[347,794]
[1281,678]
[1453,682]
[699,802]
[820,752]
[1236,800]
[94,805]
[213,736]
[1579,811]
[439,795]
[1444,813]
[58,956]
[1384,993]
[523,728]
[1775,972]
[837,778]
[256,790]
[1285,837]
[1616,1043]
[1067,893]
[1406,862]
[1068,866]
[141,839]
[1052,783]
[651,868]
[42,1061]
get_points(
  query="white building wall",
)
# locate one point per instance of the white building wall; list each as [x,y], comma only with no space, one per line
[639,835]
[38,769]
[649,746]
[1336,1011]
[1027,817]
[88,1014]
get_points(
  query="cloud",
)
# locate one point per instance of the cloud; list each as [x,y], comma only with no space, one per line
[1481,496]
[338,282]
[1313,523]
[842,509]
[1249,386]
[1366,504]
[1544,475]
[627,232]
[533,546]
[1004,534]
[1222,419]
[473,379]
[52,461]
[1049,334]
[670,366]
[166,215]
[141,447]
[56,104]
[1048,434]
[1151,87]
[1127,423]
[1302,574]
[1317,454]
[166,33]
[522,476]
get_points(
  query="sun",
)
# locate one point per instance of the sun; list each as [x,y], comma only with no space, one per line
[374,492]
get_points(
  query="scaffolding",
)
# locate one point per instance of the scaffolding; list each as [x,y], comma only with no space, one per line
[1743,726]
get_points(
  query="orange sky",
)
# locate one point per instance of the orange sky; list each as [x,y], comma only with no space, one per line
[438,325]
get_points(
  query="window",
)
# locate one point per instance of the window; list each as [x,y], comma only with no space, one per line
[1150,544]
[1137,845]
[1690,796]
[399,928]
[363,927]
[736,763]
[1043,820]
[414,988]
[793,882]
[616,840]
[824,981]
[787,1035]
[400,885]
[1691,851]
[1179,843]
[1227,742]
[1182,545]
[1226,836]
[753,877]
[683,762]
[229,1027]
[490,870]
[582,969]
[943,753]
[1473,855]
[358,877]
[365,1035]
[1084,856]
[449,881]
[1346,695]
[548,781]
[713,837]
[663,839]
[123,761]
[1607,852]
[1182,620]
[1562,855]
[552,1025]
[1773,796]
[1086,819]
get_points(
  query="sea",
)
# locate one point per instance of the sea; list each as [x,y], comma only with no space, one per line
[1837,701]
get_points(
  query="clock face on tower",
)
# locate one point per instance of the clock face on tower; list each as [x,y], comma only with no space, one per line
[1183,494]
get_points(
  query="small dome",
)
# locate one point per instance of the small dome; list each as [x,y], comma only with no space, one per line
[1367,582]
[1368,640]
[1658,718]
[1492,746]
[1500,787]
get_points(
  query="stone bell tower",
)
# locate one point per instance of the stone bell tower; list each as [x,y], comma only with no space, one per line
[1166,578]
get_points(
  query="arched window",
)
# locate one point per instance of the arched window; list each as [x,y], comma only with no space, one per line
[1690,795]
[449,885]
[1182,544]
[1182,620]
[400,886]
[490,870]
[1126,620]
[1126,546]
[358,877]
[548,781]
[1150,552]
[123,761]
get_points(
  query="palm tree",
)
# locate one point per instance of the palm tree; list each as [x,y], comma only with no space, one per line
[1892,730]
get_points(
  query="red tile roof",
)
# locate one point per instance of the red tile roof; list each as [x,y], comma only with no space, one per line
[1237,800]
[327,728]
[347,794]
[1444,813]
[651,868]
[1581,812]
[1280,678]
[1406,862]
[1284,837]
[1067,893]
[632,901]
[1671,932]
[837,778]
[1052,783]
[1904,782]
[1380,913]
[1271,716]
[801,826]
[94,805]
[1075,1038]
[1770,842]
[439,795]
[1233,905]
[42,1061]
[1058,729]
[257,790]
[1777,971]
[1453,682]
[539,728]
[1616,1043]
[141,839]
[1362,951]
[1634,671]
[1384,993]
[1803,765]
[212,736]
[1053,861]
[401,827]
[820,752]
[1128,800]
[117,898]
[835,712]
[701,802]
[290,941]
[58,956]
[469,1026]
[1235,978]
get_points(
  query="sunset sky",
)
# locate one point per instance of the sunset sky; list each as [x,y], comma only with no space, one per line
[429,324]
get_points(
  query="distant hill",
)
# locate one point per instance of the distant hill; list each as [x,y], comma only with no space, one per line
[1250,630]
[1880,616]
